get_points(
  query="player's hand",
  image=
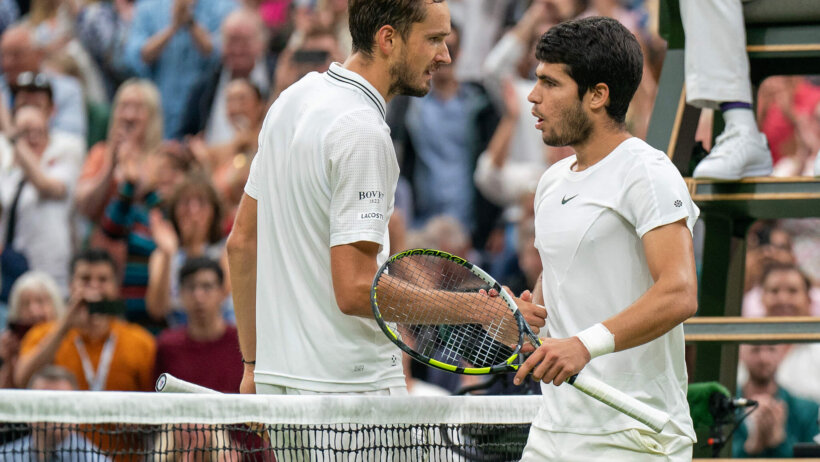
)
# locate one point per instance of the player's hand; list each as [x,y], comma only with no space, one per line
[554,361]
[247,386]
[535,315]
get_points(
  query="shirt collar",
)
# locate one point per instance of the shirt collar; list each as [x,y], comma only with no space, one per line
[348,77]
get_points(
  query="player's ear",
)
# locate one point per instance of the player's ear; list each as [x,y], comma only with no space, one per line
[598,96]
[386,40]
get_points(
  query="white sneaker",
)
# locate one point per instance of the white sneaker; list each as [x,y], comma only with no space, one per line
[738,153]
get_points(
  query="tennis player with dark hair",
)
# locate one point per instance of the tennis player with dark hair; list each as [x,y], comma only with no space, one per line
[613,227]
[311,230]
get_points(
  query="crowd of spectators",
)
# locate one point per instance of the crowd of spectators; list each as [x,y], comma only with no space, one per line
[127,130]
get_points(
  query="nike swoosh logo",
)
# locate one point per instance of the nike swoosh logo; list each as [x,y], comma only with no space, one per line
[565,200]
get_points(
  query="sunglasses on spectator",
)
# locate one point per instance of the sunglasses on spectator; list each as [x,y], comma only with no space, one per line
[32,81]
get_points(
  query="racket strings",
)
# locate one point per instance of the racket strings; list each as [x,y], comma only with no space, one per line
[436,307]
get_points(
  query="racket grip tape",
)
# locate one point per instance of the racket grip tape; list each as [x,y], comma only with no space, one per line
[167,383]
[620,401]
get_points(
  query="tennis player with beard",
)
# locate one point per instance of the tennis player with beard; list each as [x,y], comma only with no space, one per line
[311,229]
[613,226]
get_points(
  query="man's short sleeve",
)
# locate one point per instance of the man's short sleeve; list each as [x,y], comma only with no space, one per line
[363,172]
[251,187]
[656,195]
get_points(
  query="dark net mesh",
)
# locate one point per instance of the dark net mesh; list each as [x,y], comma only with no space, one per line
[247,442]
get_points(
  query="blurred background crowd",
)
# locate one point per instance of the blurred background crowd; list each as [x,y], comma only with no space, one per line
[128,129]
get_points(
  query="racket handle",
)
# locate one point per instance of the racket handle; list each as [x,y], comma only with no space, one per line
[620,401]
[167,383]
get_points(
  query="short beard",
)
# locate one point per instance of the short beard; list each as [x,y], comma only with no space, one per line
[575,128]
[401,77]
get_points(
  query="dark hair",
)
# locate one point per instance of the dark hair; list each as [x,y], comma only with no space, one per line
[92,256]
[197,264]
[198,183]
[366,17]
[254,87]
[596,50]
[775,267]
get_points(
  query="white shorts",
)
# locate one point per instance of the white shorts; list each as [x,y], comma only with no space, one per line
[627,446]
[267,389]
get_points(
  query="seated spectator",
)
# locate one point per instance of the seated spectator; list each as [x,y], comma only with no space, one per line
[40,182]
[90,340]
[134,132]
[173,43]
[194,230]
[20,54]
[59,442]
[35,89]
[229,163]
[243,57]
[786,293]
[781,419]
[206,350]
[34,298]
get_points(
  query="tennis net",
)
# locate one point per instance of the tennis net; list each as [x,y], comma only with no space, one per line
[100,426]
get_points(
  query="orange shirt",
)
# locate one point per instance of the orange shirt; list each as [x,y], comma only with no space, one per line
[132,364]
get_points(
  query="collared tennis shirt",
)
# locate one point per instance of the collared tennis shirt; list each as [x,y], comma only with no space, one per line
[325,175]
[588,231]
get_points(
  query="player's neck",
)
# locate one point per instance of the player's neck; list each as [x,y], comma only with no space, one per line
[599,144]
[375,73]
[206,331]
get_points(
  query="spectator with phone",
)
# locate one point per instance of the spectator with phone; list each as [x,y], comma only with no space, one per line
[91,340]
[35,298]
[312,52]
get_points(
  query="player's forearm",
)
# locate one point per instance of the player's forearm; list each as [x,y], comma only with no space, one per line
[538,292]
[242,269]
[665,305]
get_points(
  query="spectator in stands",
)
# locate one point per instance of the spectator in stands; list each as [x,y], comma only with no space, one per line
[126,221]
[134,132]
[229,163]
[102,28]
[90,340]
[312,52]
[40,181]
[768,244]
[243,57]
[441,158]
[781,419]
[35,298]
[786,293]
[173,43]
[56,442]
[9,14]
[717,77]
[206,350]
[194,230]
[21,54]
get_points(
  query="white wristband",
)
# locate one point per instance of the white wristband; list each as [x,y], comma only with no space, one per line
[598,340]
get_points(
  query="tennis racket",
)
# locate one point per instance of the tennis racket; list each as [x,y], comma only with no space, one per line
[167,383]
[435,307]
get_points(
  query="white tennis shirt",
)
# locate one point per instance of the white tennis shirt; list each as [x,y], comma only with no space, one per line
[588,228]
[325,175]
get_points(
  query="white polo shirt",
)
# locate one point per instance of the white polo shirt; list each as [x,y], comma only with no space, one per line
[325,175]
[588,230]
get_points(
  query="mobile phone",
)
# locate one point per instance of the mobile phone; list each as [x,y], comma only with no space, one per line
[19,329]
[310,56]
[110,307]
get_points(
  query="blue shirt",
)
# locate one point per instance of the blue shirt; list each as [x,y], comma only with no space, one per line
[180,64]
[443,141]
